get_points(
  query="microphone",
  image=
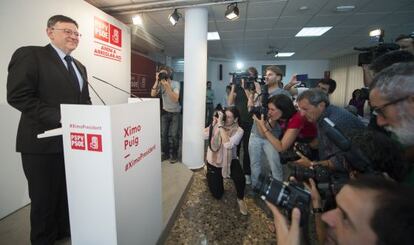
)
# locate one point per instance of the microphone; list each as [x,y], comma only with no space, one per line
[120,89]
[355,157]
[336,135]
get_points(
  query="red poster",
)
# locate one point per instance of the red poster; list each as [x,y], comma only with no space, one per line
[94,142]
[116,36]
[101,30]
[77,141]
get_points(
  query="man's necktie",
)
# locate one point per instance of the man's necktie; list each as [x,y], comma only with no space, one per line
[72,72]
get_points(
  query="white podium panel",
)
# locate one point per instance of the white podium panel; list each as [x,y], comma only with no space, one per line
[113,172]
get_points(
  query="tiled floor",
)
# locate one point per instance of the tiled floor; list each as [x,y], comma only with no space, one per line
[204,220]
[200,220]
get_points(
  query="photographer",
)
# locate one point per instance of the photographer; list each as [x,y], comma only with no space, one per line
[224,135]
[381,157]
[238,98]
[294,126]
[370,210]
[406,42]
[358,101]
[327,85]
[392,99]
[259,146]
[170,116]
[314,105]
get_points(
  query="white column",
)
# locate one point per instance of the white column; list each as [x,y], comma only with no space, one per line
[195,78]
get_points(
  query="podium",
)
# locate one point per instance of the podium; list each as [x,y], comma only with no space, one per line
[113,172]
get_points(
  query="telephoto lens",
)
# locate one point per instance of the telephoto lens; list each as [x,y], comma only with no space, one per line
[318,173]
[284,195]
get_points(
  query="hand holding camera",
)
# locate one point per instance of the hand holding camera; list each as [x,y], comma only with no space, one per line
[260,122]
[286,235]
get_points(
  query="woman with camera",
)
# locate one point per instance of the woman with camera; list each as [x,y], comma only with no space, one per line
[224,135]
[294,126]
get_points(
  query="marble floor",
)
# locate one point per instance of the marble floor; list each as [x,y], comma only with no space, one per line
[204,220]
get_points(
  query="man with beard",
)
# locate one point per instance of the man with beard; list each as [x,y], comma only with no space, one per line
[392,99]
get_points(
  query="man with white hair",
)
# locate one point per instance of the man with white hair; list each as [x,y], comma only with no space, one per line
[392,99]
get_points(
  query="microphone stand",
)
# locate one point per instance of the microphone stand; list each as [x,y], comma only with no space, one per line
[132,95]
[103,102]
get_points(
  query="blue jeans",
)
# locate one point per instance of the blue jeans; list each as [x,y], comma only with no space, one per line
[260,150]
[169,133]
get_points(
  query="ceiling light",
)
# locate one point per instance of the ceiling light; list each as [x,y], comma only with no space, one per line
[239,65]
[137,20]
[213,36]
[232,12]
[286,54]
[377,35]
[345,8]
[376,32]
[174,17]
[313,31]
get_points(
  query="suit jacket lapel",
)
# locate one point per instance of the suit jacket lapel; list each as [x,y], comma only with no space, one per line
[59,63]
[80,68]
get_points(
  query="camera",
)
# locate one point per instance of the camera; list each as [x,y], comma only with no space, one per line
[371,53]
[284,195]
[259,110]
[291,155]
[318,173]
[219,109]
[248,80]
[163,76]
[263,109]
[331,183]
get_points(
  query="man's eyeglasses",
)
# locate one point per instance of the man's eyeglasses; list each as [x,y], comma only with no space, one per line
[380,110]
[69,32]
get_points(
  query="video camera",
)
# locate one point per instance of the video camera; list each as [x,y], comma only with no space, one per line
[248,80]
[284,195]
[371,53]
[263,109]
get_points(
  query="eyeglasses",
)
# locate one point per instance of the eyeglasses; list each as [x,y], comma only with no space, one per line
[380,110]
[69,32]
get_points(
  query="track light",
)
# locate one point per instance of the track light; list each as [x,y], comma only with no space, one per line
[232,12]
[174,17]
[137,20]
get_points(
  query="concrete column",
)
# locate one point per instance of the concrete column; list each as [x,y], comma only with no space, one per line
[195,78]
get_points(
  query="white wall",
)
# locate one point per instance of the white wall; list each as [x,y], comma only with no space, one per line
[314,69]
[24,23]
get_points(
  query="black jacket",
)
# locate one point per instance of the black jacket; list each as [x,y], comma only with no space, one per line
[37,83]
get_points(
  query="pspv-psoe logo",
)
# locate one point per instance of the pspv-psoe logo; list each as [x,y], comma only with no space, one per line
[94,142]
[77,141]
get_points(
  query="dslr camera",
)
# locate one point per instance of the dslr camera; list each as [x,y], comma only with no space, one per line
[291,155]
[321,175]
[263,109]
[284,195]
[218,110]
[163,76]
[318,173]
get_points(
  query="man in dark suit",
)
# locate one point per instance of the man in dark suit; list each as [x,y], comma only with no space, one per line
[39,80]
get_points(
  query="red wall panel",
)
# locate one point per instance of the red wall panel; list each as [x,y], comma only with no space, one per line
[142,75]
